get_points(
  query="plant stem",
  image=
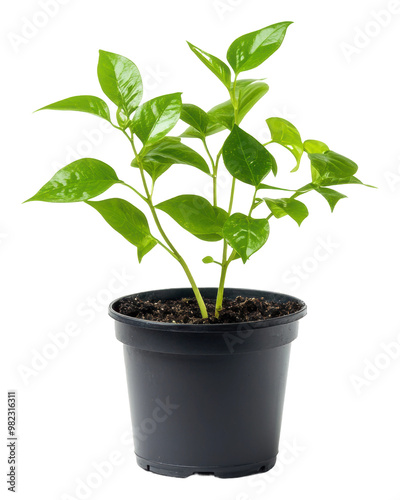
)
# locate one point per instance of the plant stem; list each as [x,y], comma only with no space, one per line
[225,260]
[135,191]
[214,172]
[225,263]
[172,250]
[252,202]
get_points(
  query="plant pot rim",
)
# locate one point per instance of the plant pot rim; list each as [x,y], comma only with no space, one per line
[207,293]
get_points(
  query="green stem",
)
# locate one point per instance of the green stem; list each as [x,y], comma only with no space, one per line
[252,202]
[214,172]
[172,250]
[135,191]
[225,260]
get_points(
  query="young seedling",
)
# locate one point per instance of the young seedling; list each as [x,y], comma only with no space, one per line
[245,158]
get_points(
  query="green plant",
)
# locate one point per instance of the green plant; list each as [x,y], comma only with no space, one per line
[244,157]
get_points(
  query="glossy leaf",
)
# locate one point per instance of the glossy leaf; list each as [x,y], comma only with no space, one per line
[249,95]
[331,196]
[245,158]
[346,180]
[331,166]
[218,67]
[287,206]
[249,51]
[84,103]
[170,150]
[154,168]
[313,147]
[221,116]
[195,117]
[208,260]
[122,119]
[245,234]
[120,80]
[266,186]
[155,118]
[128,221]
[287,135]
[196,215]
[79,181]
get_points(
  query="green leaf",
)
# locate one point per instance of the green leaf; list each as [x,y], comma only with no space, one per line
[84,103]
[249,95]
[122,119]
[330,167]
[347,180]
[287,135]
[245,234]
[221,116]
[196,215]
[266,186]
[128,221]
[169,150]
[196,117]
[218,67]
[79,181]
[331,196]
[154,168]
[287,206]
[249,51]
[245,158]
[208,260]
[312,147]
[120,80]
[155,118]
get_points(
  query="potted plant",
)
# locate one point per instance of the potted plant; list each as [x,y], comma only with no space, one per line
[206,367]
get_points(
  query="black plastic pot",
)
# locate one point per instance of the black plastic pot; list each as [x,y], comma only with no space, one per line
[207,399]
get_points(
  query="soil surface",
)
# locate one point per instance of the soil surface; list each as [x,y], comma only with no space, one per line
[187,310]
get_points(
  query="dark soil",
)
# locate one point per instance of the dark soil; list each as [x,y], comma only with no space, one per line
[187,311]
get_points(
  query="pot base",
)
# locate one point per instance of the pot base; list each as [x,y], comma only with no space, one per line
[221,472]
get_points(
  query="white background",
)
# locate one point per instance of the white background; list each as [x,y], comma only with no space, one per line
[337,79]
